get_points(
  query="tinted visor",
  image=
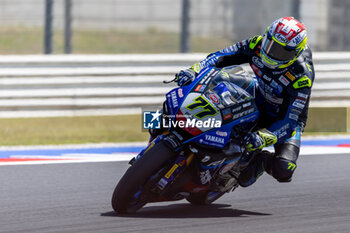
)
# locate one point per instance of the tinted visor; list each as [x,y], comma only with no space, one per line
[277,51]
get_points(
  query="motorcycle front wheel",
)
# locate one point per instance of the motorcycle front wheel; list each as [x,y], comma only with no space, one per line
[126,195]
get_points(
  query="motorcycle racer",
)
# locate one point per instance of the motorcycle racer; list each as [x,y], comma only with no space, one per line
[282,63]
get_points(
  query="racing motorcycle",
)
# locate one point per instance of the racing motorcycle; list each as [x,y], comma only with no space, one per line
[200,150]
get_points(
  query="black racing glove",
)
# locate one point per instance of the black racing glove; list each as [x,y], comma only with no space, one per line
[185,77]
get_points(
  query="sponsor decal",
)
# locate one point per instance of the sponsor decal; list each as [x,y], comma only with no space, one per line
[198,87]
[283,80]
[226,113]
[229,49]
[266,78]
[162,183]
[298,105]
[274,99]
[290,76]
[281,38]
[254,39]
[174,99]
[202,88]
[293,116]
[227,116]
[212,138]
[205,176]
[302,82]
[171,171]
[221,133]
[227,167]
[214,98]
[206,79]
[296,111]
[258,62]
[279,72]
[215,163]
[277,88]
[296,40]
[245,105]
[180,93]
[256,70]
[236,109]
[281,131]
[302,95]
[243,113]
[300,101]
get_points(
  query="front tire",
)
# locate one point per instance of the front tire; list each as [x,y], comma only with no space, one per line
[137,175]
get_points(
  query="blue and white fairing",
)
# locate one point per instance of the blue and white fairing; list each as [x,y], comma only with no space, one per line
[212,97]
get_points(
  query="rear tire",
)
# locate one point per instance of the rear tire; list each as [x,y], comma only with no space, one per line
[137,175]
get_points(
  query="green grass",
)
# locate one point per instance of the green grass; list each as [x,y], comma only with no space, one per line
[29,40]
[71,130]
[78,130]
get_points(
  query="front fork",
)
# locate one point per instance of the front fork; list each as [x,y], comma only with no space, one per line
[166,177]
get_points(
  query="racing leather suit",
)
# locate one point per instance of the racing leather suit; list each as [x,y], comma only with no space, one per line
[283,98]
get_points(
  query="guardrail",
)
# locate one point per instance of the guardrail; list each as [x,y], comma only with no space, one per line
[61,85]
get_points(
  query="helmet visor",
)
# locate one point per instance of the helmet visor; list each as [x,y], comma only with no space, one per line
[277,51]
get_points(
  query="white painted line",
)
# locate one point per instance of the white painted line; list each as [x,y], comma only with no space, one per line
[117,157]
[75,146]
[323,150]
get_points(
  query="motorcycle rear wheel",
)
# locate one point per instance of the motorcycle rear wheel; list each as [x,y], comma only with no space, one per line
[123,199]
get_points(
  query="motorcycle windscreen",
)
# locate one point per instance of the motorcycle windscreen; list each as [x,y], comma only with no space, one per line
[225,94]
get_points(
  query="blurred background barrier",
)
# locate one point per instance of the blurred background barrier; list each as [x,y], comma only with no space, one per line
[83,83]
[160,26]
[72,85]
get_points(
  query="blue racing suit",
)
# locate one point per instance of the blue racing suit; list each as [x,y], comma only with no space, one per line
[283,98]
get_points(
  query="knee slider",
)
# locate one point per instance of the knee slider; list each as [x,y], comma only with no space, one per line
[282,169]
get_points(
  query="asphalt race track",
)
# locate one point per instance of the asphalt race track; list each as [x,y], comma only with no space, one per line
[76,198]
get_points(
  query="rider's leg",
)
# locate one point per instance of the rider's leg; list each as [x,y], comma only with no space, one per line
[284,163]
[281,164]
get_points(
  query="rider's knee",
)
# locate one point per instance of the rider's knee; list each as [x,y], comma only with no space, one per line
[282,169]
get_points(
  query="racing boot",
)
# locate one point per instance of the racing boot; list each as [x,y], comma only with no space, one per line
[226,182]
[261,162]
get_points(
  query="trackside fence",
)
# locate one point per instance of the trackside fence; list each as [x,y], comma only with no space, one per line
[68,85]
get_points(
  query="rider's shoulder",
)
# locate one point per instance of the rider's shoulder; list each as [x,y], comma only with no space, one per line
[300,74]
[254,41]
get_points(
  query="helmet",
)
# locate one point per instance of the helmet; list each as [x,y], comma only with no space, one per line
[283,42]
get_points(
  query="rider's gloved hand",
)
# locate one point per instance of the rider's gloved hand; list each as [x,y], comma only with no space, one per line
[259,139]
[185,77]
